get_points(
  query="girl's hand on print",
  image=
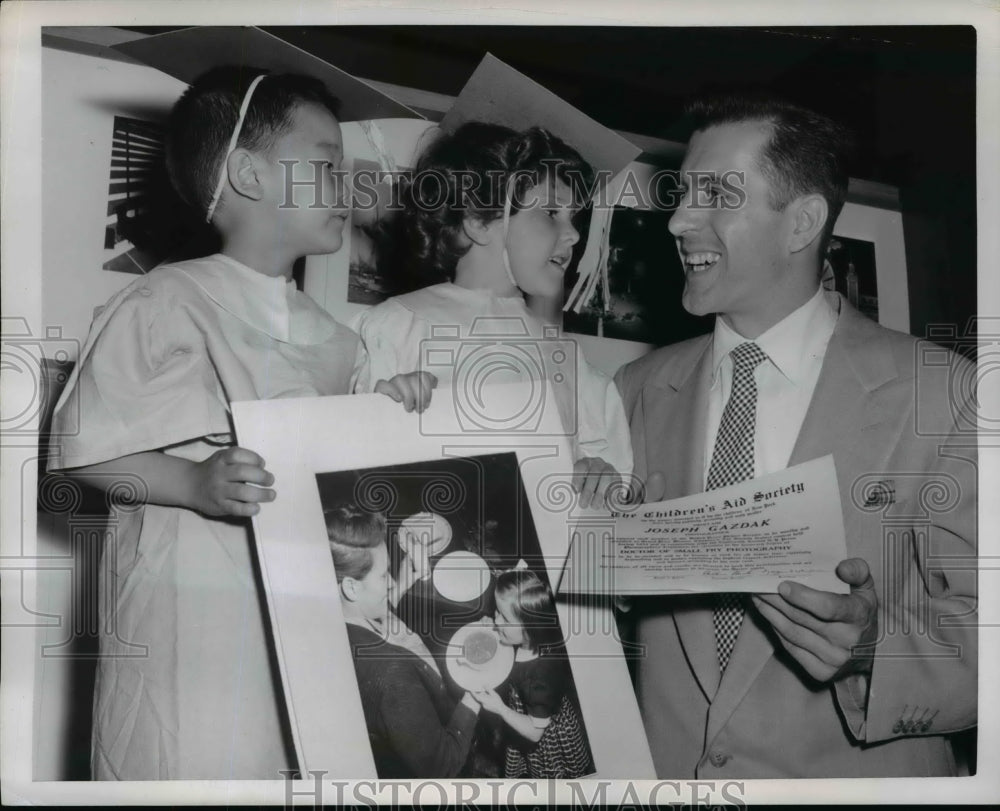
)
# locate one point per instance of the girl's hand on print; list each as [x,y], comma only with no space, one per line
[232,481]
[490,701]
[412,389]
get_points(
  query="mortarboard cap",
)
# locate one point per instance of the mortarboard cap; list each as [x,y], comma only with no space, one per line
[498,94]
[190,52]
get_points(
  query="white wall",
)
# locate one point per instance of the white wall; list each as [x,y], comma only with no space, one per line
[81,95]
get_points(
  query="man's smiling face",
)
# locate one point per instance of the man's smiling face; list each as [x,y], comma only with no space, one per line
[734,258]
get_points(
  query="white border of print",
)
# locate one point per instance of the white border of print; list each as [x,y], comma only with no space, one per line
[336,434]
[20,296]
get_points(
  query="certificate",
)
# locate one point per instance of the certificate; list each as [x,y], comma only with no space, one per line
[748,537]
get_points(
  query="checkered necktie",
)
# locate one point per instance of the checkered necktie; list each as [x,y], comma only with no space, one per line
[732,462]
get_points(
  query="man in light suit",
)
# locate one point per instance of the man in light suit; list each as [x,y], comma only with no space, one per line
[817,684]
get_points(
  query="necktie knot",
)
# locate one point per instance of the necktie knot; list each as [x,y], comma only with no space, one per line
[747,357]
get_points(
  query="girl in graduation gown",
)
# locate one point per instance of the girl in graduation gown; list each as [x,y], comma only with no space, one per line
[480,247]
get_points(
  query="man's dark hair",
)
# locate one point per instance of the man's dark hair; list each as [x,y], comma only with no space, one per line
[807,152]
[202,122]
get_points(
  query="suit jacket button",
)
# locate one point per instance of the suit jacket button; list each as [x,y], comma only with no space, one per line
[718,758]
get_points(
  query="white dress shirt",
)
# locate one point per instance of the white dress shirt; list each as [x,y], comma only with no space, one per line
[795,348]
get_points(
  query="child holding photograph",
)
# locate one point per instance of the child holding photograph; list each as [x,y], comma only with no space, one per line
[185,687]
[510,234]
[416,729]
[546,735]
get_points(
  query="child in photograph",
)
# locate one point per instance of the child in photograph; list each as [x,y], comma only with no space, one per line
[185,686]
[415,727]
[487,219]
[547,738]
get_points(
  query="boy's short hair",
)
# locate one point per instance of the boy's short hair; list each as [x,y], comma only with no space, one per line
[203,119]
[466,172]
[353,535]
[807,153]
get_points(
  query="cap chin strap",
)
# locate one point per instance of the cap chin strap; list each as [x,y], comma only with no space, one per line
[223,170]
[506,227]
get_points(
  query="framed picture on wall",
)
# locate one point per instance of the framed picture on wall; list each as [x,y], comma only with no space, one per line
[866,262]
[645,281]
[641,307]
[374,204]
[488,502]
[147,223]
[349,281]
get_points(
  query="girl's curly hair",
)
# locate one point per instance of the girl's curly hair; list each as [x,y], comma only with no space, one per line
[466,173]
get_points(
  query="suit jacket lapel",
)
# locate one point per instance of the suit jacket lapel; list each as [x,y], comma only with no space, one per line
[846,402]
[753,650]
[676,408]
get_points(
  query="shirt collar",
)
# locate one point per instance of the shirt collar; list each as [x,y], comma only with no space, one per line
[791,345]
[398,633]
[368,625]
[269,304]
[475,311]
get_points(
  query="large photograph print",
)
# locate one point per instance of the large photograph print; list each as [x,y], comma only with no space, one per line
[470,612]
[412,578]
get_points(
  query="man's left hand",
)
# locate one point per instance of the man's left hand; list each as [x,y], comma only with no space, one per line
[592,479]
[820,629]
